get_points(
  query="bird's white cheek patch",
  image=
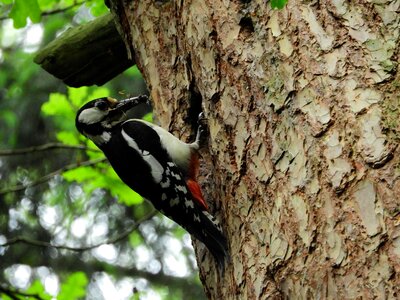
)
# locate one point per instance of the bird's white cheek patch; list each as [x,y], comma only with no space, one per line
[91,116]
[157,169]
[103,138]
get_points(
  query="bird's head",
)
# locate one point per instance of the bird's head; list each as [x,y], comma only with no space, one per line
[96,118]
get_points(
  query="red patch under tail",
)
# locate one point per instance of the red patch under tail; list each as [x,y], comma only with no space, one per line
[196,193]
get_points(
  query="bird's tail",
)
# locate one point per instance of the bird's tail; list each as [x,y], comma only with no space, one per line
[213,237]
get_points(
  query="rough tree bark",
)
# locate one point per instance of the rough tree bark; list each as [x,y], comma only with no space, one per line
[302,166]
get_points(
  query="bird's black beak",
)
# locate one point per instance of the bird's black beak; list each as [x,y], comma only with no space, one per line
[127,104]
[118,112]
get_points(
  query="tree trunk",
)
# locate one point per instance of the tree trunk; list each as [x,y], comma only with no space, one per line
[302,166]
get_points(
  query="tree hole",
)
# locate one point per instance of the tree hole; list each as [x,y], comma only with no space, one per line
[247,27]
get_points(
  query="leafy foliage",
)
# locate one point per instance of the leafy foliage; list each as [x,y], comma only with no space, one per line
[72,208]
[37,289]
[74,287]
[22,10]
[278,4]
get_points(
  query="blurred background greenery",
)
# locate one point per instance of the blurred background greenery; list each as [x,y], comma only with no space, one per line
[61,199]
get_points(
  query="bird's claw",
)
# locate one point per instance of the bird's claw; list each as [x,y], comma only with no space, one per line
[201,129]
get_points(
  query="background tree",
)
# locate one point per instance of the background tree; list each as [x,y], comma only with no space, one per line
[302,166]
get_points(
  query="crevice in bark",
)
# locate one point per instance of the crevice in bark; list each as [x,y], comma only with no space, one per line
[123,26]
[243,165]
[269,277]
[246,27]
[195,99]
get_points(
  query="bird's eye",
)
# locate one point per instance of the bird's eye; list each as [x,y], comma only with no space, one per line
[102,105]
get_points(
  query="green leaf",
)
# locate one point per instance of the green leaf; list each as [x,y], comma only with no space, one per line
[120,190]
[104,177]
[179,232]
[46,4]
[5,297]
[133,72]
[61,110]
[37,289]
[9,117]
[68,2]
[99,93]
[125,195]
[92,154]
[278,4]
[136,296]
[135,239]
[22,9]
[81,174]
[6,1]
[78,95]
[57,104]
[74,287]
[148,117]
[97,7]
[68,137]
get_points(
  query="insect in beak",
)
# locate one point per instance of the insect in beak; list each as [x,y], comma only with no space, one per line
[127,104]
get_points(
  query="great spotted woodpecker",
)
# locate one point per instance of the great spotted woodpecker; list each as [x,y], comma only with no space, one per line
[155,164]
